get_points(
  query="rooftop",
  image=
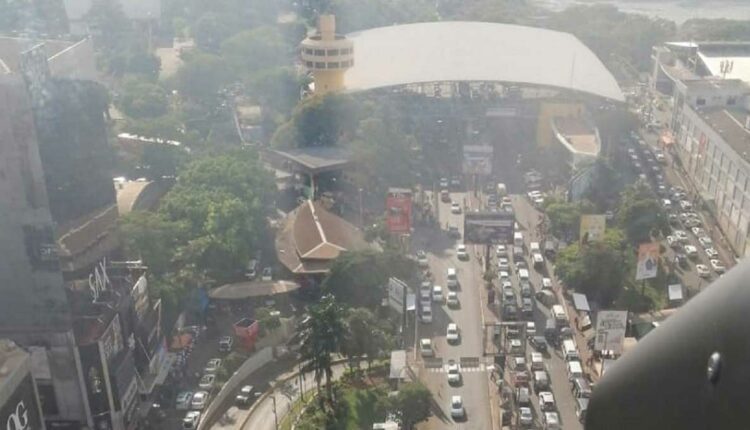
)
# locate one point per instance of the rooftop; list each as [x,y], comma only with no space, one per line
[578,134]
[716,84]
[311,237]
[245,290]
[316,159]
[11,49]
[730,124]
[476,51]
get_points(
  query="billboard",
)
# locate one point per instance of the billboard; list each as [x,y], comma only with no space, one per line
[592,228]
[477,160]
[648,261]
[21,410]
[610,330]
[489,227]
[398,205]
[396,293]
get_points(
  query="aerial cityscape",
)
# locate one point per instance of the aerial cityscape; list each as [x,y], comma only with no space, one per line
[368,214]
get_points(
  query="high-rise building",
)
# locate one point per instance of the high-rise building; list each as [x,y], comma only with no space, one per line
[19,401]
[328,55]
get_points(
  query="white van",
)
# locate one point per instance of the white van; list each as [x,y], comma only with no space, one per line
[534,247]
[570,352]
[538,259]
[518,238]
[558,312]
[575,370]
[523,275]
[425,348]
[452,278]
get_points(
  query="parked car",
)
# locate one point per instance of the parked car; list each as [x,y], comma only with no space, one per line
[267,274]
[437,294]
[551,421]
[539,343]
[452,300]
[698,231]
[501,250]
[525,417]
[681,260]
[455,208]
[200,398]
[680,235]
[444,183]
[502,263]
[706,242]
[530,329]
[691,251]
[425,347]
[546,401]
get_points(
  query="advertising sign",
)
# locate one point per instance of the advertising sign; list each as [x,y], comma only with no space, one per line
[477,160]
[21,410]
[648,261]
[111,341]
[610,330]
[398,205]
[592,228]
[489,227]
[396,293]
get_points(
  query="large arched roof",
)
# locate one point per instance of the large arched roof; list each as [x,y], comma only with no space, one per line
[476,51]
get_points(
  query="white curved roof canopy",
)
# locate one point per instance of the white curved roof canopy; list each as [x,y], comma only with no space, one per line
[476,51]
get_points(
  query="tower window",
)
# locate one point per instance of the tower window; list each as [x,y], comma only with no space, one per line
[320,52]
[333,65]
[333,52]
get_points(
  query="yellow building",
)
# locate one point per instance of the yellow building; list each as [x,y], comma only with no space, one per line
[328,55]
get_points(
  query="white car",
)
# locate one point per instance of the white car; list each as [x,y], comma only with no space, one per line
[443,182]
[526,418]
[702,270]
[551,421]
[546,401]
[267,274]
[212,366]
[191,420]
[183,400]
[508,292]
[425,348]
[452,300]
[537,361]
[502,264]
[207,382]
[422,259]
[515,346]
[199,401]
[718,267]
[705,242]
[534,195]
[530,328]
[685,205]
[501,250]
[680,235]
[672,241]
[546,283]
[503,275]
[507,201]
[455,208]
[437,294]
[691,251]
[454,373]
[451,333]
[457,407]
[698,232]
[427,314]
[712,253]
[461,253]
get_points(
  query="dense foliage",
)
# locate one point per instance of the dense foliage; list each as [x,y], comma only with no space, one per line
[640,214]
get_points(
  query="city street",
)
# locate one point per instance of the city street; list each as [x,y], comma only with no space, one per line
[474,386]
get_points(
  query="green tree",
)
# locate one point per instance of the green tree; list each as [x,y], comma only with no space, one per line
[166,127]
[606,186]
[364,336]
[151,237]
[276,89]
[412,404]
[597,269]
[565,219]
[142,99]
[267,320]
[202,76]
[160,161]
[323,334]
[319,121]
[640,214]
[250,51]
[715,29]
[358,278]
[213,28]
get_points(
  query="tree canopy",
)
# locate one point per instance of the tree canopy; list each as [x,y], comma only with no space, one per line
[319,120]
[412,404]
[142,99]
[254,50]
[597,269]
[640,214]
[358,278]
[202,76]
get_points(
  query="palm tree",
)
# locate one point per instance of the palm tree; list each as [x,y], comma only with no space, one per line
[323,334]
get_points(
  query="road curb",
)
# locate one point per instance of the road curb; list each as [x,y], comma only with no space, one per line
[281,379]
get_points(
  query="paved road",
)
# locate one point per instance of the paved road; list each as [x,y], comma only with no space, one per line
[474,387]
[527,217]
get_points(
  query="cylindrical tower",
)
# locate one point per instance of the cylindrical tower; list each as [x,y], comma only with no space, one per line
[328,55]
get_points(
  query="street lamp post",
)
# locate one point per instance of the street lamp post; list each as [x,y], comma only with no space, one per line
[360,208]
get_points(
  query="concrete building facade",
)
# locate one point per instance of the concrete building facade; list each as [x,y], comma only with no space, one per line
[19,400]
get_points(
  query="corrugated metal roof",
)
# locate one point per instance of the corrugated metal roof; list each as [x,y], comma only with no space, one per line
[476,51]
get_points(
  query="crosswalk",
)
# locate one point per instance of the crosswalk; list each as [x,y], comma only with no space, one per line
[464,369]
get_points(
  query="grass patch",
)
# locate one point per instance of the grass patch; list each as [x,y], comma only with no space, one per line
[358,406]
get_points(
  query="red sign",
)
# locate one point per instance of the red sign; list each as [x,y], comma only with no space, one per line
[246,331]
[398,207]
